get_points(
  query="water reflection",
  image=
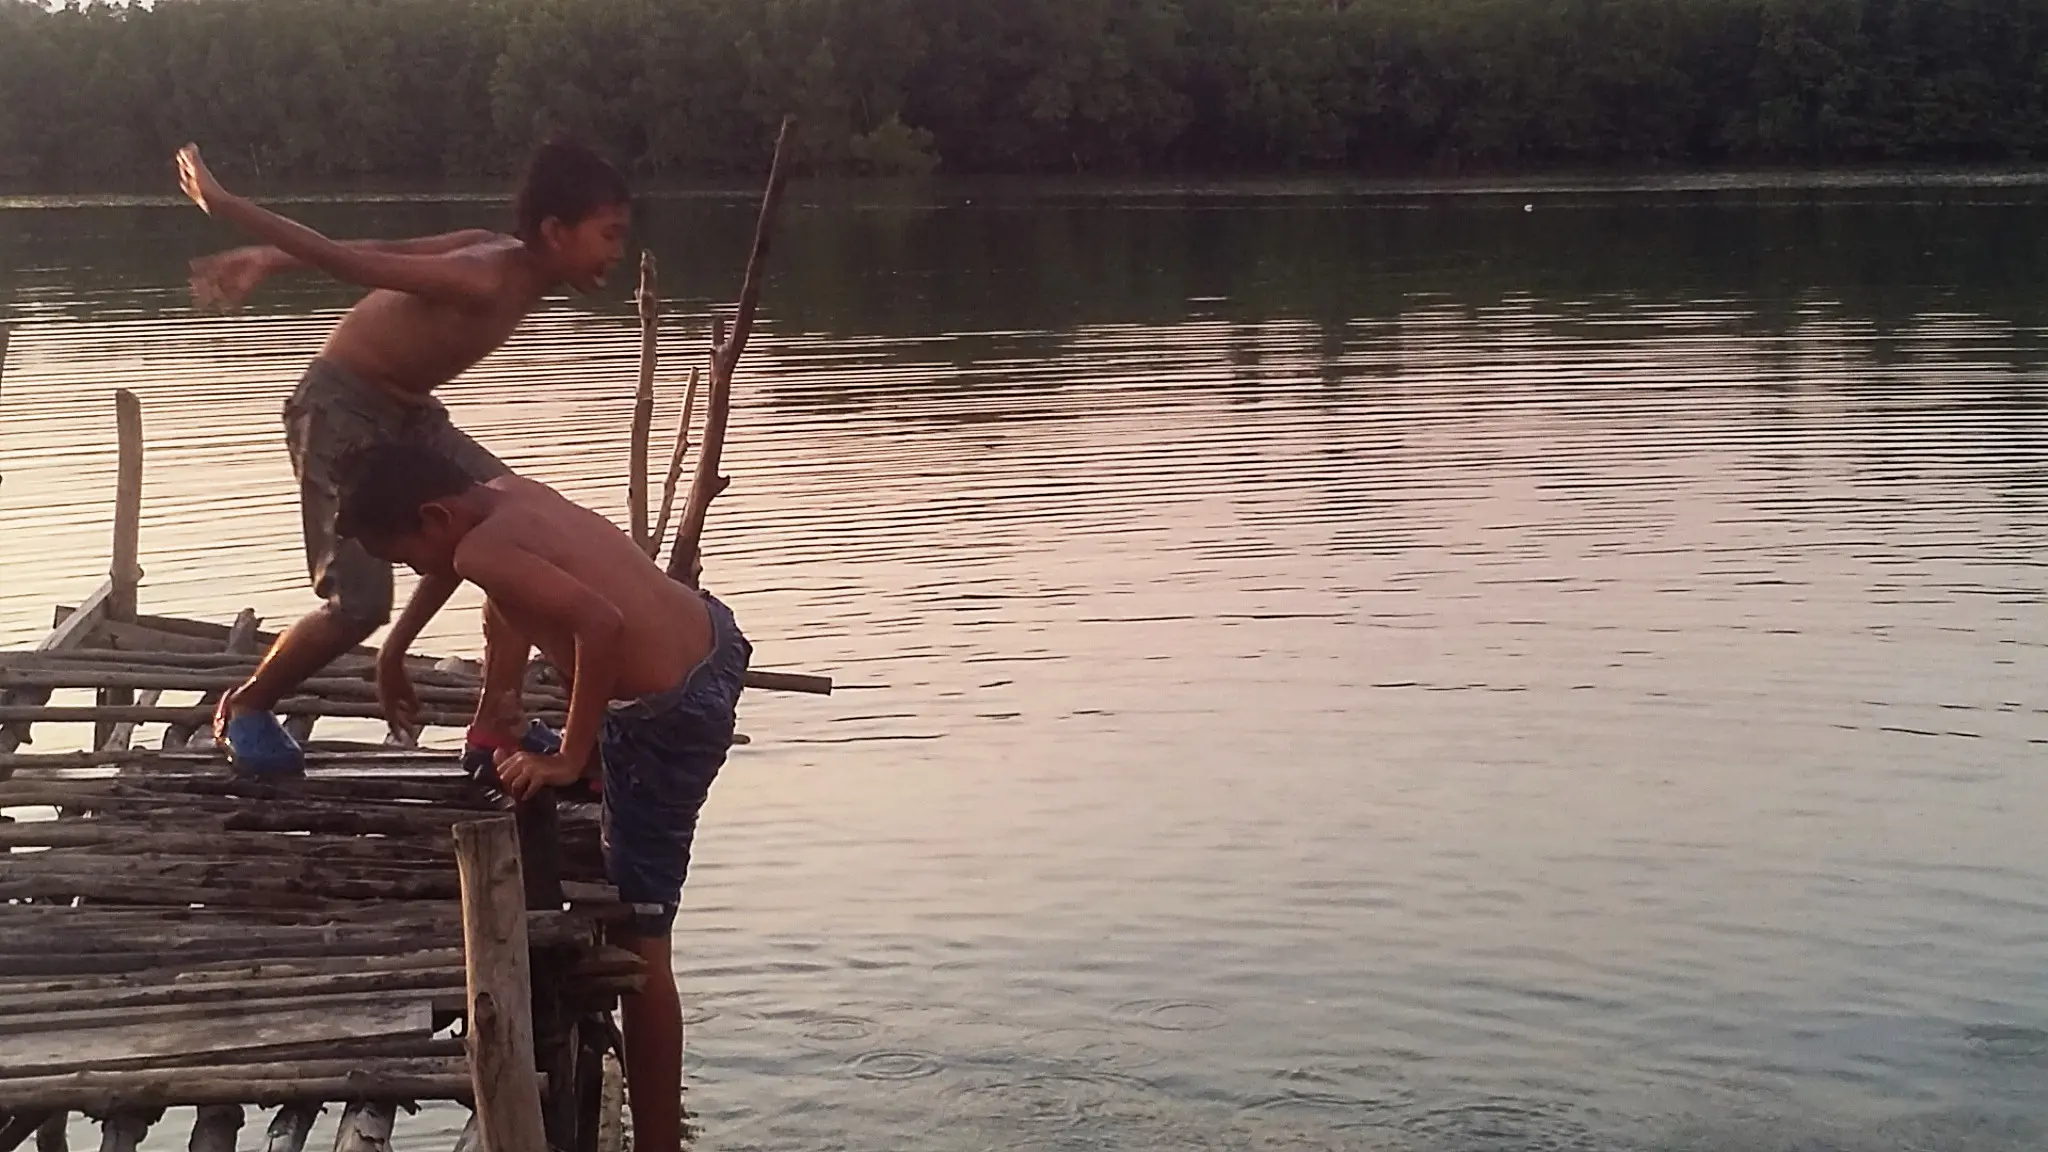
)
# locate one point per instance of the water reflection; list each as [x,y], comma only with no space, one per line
[1402,673]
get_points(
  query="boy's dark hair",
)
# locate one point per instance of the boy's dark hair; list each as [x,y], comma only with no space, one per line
[383,486]
[568,182]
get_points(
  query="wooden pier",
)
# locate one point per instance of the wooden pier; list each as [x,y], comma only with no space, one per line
[381,932]
[173,934]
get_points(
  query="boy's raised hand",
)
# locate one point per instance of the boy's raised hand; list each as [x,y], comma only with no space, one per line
[196,181]
[225,279]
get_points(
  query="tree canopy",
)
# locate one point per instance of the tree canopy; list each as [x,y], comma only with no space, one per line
[95,92]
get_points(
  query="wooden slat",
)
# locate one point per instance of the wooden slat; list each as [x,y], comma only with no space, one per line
[157,1090]
[54,1050]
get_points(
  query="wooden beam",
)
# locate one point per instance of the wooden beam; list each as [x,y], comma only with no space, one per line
[685,562]
[158,1090]
[500,1030]
[313,706]
[112,1039]
[190,670]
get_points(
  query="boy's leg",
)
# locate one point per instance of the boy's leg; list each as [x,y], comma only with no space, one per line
[653,1027]
[327,417]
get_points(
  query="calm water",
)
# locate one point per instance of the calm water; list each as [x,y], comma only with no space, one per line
[1320,671]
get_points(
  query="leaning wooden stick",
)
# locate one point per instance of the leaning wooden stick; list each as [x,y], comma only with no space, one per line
[685,563]
[675,463]
[643,410]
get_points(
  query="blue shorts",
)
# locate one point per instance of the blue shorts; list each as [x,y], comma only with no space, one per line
[660,754]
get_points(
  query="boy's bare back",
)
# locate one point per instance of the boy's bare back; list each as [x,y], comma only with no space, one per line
[531,539]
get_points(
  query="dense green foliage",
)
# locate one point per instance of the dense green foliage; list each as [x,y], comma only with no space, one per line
[423,88]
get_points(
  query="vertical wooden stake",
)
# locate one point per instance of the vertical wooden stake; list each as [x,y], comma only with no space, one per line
[55,1134]
[500,1033]
[643,409]
[215,1128]
[290,1127]
[675,464]
[123,1131]
[125,573]
[365,1128]
[685,561]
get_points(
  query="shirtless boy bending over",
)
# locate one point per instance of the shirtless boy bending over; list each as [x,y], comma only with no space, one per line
[438,305]
[657,670]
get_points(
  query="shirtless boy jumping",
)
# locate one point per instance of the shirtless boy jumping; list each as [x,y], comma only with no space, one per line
[657,671]
[438,305]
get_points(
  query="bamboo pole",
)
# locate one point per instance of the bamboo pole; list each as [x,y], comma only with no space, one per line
[685,562]
[643,408]
[675,460]
[500,1033]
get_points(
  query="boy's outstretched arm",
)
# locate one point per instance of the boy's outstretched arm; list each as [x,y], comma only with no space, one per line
[395,694]
[530,587]
[225,279]
[453,275]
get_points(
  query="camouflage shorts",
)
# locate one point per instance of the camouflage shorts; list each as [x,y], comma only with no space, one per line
[331,414]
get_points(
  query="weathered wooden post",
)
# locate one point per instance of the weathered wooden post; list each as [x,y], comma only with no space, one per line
[215,1128]
[123,1130]
[643,409]
[494,944]
[124,575]
[126,571]
[684,562]
[365,1127]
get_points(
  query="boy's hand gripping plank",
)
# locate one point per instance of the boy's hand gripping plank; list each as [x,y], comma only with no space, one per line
[525,586]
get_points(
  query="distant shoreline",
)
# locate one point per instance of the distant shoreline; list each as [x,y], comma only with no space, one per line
[947,190]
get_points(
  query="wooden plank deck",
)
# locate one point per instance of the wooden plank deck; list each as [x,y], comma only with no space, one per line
[179,936]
